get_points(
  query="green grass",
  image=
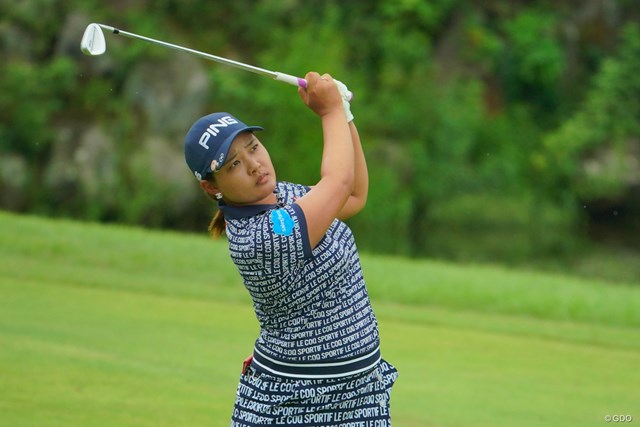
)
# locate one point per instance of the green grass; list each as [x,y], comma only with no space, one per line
[116,326]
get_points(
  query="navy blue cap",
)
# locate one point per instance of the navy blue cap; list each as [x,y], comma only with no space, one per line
[209,139]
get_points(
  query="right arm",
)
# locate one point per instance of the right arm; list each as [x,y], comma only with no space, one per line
[326,199]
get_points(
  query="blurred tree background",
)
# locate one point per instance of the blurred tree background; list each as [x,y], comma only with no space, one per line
[496,131]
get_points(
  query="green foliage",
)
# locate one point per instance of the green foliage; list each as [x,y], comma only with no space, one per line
[607,120]
[535,49]
[29,98]
[466,110]
[484,45]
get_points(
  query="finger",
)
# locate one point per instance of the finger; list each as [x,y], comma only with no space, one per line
[312,77]
[303,94]
[326,78]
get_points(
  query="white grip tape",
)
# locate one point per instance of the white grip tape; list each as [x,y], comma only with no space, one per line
[287,78]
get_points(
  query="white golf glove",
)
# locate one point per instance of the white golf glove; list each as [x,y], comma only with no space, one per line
[344,92]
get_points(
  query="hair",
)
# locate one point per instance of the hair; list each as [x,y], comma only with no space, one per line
[217,224]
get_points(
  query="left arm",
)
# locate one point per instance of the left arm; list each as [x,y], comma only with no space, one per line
[358,198]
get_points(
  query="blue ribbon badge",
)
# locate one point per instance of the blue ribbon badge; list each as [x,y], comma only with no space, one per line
[281,222]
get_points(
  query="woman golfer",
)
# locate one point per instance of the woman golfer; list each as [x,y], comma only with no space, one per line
[317,359]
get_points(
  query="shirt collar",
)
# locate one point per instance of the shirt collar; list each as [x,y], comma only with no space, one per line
[238,212]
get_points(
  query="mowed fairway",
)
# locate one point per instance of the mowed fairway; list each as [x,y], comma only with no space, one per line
[114,326]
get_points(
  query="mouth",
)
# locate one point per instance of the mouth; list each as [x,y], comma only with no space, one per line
[262,179]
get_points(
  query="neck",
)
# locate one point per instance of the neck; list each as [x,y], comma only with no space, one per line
[270,199]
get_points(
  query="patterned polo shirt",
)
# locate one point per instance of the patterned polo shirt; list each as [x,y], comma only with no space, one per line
[314,311]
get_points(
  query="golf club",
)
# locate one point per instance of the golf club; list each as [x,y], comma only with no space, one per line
[93,44]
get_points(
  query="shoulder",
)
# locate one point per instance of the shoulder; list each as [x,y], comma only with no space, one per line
[291,191]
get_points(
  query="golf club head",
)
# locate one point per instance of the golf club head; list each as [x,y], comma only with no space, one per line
[93,42]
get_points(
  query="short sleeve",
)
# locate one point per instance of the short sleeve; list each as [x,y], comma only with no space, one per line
[282,240]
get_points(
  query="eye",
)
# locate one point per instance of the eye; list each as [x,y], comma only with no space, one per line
[255,147]
[234,164]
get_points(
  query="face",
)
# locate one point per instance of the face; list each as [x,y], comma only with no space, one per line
[247,177]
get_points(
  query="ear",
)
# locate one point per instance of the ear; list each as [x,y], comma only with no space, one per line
[209,187]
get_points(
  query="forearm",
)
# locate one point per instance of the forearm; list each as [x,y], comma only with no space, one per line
[361,174]
[360,190]
[338,153]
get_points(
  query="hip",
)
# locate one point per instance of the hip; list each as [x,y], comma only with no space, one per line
[263,398]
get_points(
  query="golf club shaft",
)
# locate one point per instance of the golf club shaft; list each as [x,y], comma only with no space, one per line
[295,81]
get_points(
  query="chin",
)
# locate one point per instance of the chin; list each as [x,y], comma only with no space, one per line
[268,187]
[272,182]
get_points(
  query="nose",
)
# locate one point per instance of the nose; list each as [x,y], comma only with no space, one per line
[253,165]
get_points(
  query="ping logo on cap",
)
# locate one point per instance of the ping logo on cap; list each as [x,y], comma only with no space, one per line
[213,130]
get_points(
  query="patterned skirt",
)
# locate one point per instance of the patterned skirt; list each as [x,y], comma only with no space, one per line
[360,400]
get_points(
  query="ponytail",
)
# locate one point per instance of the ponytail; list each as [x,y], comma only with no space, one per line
[217,224]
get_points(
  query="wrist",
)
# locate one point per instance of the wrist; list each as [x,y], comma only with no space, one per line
[333,114]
